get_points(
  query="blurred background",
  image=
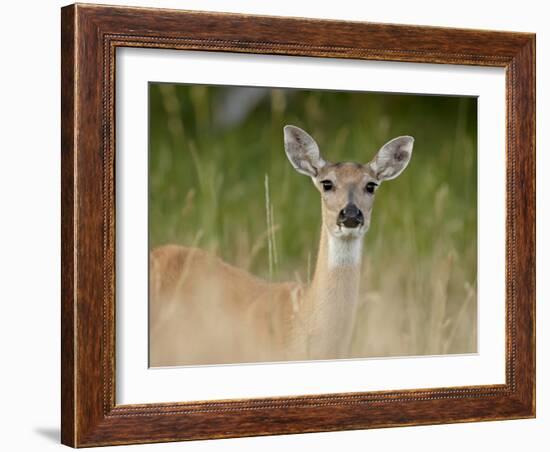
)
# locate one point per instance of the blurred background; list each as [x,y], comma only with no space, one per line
[219,179]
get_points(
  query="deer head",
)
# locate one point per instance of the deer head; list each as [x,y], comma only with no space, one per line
[347,189]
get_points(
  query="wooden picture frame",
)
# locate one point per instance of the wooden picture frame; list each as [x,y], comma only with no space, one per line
[90,36]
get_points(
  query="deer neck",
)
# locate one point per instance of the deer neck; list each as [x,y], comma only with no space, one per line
[331,299]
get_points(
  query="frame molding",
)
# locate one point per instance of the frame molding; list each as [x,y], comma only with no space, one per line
[90,35]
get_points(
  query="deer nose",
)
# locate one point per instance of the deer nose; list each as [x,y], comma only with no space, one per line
[350,216]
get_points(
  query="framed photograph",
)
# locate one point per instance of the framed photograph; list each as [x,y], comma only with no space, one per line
[281,225]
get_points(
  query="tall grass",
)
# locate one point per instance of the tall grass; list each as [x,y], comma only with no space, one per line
[219,180]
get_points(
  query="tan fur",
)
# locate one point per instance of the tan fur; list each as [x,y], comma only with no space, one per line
[204,311]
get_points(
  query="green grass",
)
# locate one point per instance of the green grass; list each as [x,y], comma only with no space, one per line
[208,182]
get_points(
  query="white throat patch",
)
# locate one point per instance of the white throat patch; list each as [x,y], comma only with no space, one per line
[344,251]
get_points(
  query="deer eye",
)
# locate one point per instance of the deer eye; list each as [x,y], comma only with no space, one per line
[327,185]
[370,187]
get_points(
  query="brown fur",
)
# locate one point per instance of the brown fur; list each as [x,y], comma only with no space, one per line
[233,317]
[204,311]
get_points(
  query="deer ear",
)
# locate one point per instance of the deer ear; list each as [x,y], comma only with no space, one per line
[302,151]
[392,158]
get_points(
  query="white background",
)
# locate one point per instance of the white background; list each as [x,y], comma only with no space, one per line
[138,384]
[29,178]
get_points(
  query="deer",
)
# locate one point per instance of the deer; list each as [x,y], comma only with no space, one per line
[206,311]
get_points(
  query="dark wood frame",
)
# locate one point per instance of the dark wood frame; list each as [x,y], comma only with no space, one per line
[90,35]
